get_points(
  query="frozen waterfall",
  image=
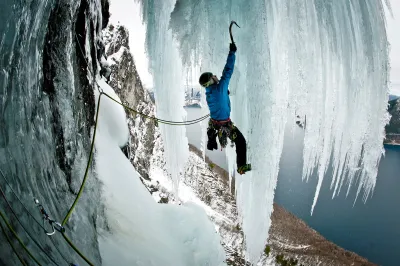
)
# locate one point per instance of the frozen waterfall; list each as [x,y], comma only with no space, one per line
[323,60]
[168,80]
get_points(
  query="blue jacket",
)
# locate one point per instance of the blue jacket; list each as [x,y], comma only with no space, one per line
[217,94]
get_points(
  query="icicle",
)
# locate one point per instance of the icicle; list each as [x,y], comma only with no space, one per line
[327,61]
[166,67]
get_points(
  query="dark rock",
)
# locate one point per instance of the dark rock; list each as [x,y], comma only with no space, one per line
[124,79]
[163,200]
[48,134]
[393,128]
[105,11]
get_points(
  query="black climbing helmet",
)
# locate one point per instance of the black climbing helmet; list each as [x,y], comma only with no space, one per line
[205,78]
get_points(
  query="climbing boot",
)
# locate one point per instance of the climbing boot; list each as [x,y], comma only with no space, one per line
[244,168]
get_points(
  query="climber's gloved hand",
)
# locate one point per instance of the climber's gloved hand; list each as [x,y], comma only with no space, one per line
[232,47]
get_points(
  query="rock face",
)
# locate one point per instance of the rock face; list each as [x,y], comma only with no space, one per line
[123,77]
[291,237]
[393,128]
[49,53]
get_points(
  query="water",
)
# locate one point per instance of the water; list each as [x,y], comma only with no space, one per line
[372,230]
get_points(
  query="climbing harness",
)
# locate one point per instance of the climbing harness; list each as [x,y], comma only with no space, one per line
[230,29]
[225,129]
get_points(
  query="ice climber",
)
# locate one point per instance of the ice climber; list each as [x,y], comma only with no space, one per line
[220,124]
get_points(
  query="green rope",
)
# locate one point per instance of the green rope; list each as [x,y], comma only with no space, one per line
[29,213]
[22,225]
[92,147]
[17,237]
[175,123]
[20,201]
[183,123]
[90,160]
[87,166]
[12,246]
[77,250]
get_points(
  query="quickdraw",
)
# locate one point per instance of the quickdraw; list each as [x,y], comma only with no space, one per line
[56,226]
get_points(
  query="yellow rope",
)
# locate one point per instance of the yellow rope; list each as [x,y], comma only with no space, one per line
[167,122]
[87,166]
[17,237]
[77,250]
[12,246]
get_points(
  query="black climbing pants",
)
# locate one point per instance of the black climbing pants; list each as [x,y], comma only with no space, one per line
[224,130]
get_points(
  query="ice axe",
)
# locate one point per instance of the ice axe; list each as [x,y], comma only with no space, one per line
[230,29]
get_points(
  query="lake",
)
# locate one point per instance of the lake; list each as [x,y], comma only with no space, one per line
[372,230]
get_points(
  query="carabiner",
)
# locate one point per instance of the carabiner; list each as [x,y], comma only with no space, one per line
[54,225]
[49,233]
[57,226]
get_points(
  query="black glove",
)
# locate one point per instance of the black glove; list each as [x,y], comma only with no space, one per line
[232,47]
[212,140]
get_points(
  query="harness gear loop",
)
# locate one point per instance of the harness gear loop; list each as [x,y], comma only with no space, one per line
[225,130]
[55,226]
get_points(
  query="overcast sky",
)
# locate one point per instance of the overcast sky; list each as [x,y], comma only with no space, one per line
[127,12]
[394,39]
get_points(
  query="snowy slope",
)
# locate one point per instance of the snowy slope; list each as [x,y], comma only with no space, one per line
[140,231]
[123,76]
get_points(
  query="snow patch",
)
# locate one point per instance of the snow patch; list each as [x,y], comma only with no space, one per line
[142,232]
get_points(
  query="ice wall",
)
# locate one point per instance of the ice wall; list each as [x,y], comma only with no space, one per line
[323,60]
[168,79]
